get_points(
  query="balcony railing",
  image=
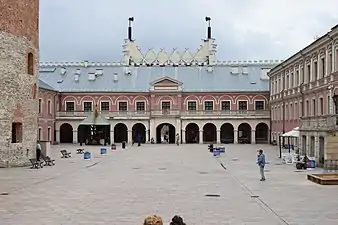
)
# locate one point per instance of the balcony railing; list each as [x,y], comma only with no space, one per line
[182,113]
[320,123]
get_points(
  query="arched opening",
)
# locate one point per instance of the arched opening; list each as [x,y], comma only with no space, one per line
[209,133]
[66,133]
[321,151]
[227,133]
[192,133]
[120,133]
[139,129]
[262,133]
[165,133]
[244,133]
[30,63]
[93,134]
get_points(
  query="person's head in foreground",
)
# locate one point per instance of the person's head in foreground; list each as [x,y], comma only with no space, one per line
[153,220]
[260,151]
[177,220]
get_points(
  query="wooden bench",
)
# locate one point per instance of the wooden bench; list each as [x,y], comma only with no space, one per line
[36,164]
[80,151]
[48,160]
[65,154]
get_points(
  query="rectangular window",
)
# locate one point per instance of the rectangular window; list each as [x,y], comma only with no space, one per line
[87,106]
[49,105]
[40,134]
[323,66]
[308,73]
[297,77]
[259,105]
[315,70]
[321,106]
[123,106]
[70,106]
[291,80]
[16,132]
[40,105]
[225,105]
[287,82]
[328,105]
[105,106]
[242,105]
[208,105]
[165,107]
[49,134]
[192,106]
[140,106]
[307,111]
[314,107]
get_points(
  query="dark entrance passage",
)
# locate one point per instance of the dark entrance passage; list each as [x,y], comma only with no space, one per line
[120,133]
[262,134]
[321,159]
[244,133]
[139,129]
[165,133]
[66,133]
[93,134]
[227,133]
[209,133]
[192,133]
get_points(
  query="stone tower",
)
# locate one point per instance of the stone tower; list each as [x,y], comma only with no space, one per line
[19,44]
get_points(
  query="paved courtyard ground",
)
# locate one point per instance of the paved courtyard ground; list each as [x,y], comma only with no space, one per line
[125,186]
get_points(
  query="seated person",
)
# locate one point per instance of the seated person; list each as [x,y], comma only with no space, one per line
[153,220]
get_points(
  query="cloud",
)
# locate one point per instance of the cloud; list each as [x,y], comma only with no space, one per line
[246,29]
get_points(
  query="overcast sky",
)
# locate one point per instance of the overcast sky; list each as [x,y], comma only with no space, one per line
[94,30]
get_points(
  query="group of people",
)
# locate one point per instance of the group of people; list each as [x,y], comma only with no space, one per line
[157,220]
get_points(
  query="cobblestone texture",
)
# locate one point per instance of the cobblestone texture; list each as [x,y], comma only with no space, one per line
[125,186]
[18,37]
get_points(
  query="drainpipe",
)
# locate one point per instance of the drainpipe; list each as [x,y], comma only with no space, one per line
[270,114]
[283,115]
[302,93]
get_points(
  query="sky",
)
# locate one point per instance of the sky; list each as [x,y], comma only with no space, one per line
[78,30]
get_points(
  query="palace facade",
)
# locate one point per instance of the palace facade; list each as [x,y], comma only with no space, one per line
[189,93]
[304,94]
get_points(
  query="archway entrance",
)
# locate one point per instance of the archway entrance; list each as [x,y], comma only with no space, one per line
[192,133]
[120,133]
[209,133]
[262,133]
[93,134]
[244,133]
[139,129]
[227,133]
[321,159]
[66,133]
[165,133]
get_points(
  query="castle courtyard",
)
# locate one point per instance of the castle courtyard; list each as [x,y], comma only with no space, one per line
[124,186]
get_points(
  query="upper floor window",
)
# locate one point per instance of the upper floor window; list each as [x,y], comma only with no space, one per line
[165,105]
[30,63]
[291,80]
[16,132]
[49,106]
[242,105]
[314,107]
[315,70]
[70,106]
[308,70]
[192,105]
[104,106]
[208,105]
[321,106]
[40,105]
[259,105]
[87,106]
[225,105]
[323,72]
[297,77]
[123,106]
[140,106]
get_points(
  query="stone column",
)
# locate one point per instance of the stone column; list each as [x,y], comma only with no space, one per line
[130,136]
[57,138]
[111,136]
[218,137]
[152,129]
[235,136]
[201,137]
[74,136]
[253,137]
[183,136]
[147,136]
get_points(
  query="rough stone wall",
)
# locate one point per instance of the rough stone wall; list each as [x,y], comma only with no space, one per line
[18,89]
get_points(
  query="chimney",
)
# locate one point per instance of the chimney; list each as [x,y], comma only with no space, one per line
[208,19]
[130,36]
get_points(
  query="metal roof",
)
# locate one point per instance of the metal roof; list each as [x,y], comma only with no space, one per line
[111,78]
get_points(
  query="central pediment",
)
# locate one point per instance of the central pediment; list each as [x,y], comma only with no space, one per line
[166,83]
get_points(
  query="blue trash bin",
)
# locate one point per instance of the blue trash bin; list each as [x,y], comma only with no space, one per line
[216,152]
[311,163]
[87,155]
[222,149]
[103,151]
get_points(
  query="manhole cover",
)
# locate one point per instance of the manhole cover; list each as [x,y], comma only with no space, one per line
[162,168]
[254,196]
[278,164]
[203,172]
[212,195]
[266,170]
[4,193]
[136,168]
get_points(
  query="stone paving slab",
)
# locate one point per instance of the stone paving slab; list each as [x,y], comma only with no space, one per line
[125,186]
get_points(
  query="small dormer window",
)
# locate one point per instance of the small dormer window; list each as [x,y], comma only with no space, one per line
[63,70]
[245,70]
[77,71]
[99,72]
[234,70]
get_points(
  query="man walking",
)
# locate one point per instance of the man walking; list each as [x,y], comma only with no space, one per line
[261,164]
[38,151]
